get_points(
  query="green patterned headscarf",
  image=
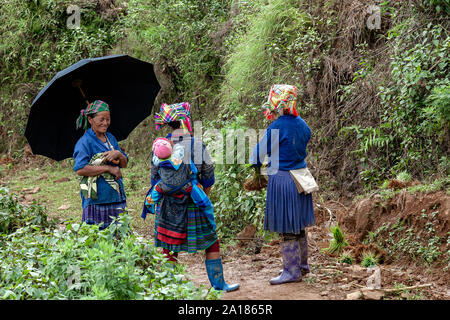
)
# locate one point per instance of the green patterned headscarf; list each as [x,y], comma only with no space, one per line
[92,108]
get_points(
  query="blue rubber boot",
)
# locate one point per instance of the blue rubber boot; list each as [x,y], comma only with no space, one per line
[290,251]
[303,242]
[215,274]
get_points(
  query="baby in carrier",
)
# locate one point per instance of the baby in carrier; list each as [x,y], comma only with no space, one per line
[177,178]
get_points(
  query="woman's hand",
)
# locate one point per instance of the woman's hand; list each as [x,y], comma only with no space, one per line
[116,157]
[92,171]
[111,155]
[115,171]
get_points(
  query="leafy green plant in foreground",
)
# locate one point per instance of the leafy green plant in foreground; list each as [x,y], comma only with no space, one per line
[82,262]
[14,215]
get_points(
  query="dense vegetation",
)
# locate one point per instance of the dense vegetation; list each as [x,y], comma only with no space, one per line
[41,261]
[377,99]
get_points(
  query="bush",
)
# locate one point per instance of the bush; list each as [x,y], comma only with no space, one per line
[14,215]
[412,130]
[234,207]
[276,48]
[81,262]
[35,44]
[178,35]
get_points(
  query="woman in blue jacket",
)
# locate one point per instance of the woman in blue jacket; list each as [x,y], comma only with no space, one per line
[98,159]
[287,211]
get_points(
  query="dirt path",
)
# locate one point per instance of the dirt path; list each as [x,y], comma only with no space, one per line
[253,274]
[328,279]
[253,271]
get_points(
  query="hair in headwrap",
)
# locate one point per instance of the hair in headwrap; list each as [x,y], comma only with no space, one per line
[92,108]
[282,98]
[174,112]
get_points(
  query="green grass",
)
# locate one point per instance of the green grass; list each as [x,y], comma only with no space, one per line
[436,185]
[369,259]
[431,185]
[346,257]
[258,57]
[338,243]
[54,195]
[51,195]
[403,176]
[399,239]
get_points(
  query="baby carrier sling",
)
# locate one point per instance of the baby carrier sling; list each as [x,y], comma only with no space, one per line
[174,209]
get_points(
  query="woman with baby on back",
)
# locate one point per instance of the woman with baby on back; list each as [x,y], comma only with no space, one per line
[182,174]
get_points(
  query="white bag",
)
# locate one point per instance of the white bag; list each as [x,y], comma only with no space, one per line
[304,180]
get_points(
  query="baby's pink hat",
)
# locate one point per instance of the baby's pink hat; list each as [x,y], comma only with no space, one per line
[162,148]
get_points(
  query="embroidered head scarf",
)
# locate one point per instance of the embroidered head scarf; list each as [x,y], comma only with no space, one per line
[282,97]
[92,108]
[174,112]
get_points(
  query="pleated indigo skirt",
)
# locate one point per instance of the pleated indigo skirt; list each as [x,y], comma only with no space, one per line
[102,213]
[287,211]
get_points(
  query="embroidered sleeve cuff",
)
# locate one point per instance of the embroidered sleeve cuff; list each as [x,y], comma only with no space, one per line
[206,183]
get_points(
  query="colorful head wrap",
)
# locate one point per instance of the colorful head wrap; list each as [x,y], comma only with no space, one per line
[282,97]
[92,108]
[174,112]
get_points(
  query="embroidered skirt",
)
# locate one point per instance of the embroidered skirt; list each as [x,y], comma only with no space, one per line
[199,233]
[287,211]
[102,213]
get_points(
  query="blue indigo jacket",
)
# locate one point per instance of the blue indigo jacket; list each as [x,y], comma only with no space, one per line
[87,146]
[284,142]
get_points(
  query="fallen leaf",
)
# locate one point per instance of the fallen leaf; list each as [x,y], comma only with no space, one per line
[43,177]
[35,190]
[64,207]
[61,180]
[31,190]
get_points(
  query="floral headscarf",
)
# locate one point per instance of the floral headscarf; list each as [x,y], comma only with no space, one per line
[282,97]
[174,112]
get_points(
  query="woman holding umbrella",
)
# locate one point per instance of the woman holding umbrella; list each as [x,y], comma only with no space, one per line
[179,224]
[98,159]
[287,212]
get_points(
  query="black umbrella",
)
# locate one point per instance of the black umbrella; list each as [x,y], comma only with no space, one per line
[127,84]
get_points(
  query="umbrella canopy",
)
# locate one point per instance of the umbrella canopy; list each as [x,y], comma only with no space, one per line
[127,84]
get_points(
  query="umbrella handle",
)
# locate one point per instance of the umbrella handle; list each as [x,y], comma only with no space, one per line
[84,96]
[77,83]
